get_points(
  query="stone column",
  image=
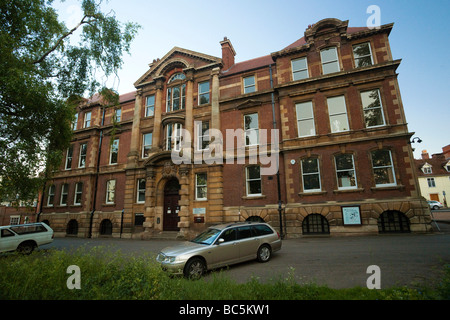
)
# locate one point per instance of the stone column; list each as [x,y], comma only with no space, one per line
[189,101]
[189,120]
[150,199]
[158,110]
[215,113]
[184,202]
[133,155]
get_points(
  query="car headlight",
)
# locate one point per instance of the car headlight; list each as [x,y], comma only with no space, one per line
[165,259]
[170,259]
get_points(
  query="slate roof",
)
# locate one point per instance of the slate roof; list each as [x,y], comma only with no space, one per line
[268,60]
[437,162]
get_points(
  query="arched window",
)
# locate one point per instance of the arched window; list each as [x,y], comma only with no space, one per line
[176,94]
[106,227]
[72,228]
[393,222]
[315,224]
[177,76]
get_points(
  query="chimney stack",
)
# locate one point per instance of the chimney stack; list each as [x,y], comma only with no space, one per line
[446,151]
[425,155]
[228,53]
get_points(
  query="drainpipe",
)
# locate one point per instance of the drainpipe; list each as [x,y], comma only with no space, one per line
[277,158]
[91,220]
[121,223]
[41,202]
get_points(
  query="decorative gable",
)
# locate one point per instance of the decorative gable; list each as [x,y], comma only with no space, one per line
[178,58]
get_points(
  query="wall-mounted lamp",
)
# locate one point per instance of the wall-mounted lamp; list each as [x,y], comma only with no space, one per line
[416,139]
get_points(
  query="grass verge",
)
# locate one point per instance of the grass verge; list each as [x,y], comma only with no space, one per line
[112,275]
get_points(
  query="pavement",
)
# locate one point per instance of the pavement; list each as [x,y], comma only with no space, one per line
[441,215]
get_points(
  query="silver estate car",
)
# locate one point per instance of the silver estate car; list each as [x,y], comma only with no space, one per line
[219,246]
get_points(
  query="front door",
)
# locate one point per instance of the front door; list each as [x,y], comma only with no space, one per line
[171,207]
[434,196]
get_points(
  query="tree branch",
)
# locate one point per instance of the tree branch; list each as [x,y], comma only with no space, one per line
[60,40]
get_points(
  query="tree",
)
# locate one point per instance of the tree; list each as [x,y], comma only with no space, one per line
[43,77]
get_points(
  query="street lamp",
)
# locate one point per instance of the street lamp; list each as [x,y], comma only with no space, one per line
[416,139]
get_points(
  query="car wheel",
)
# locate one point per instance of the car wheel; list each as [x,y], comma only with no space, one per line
[26,248]
[264,253]
[194,268]
[435,208]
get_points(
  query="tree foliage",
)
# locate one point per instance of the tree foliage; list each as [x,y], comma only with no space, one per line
[42,79]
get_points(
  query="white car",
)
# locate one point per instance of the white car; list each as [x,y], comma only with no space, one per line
[435,205]
[24,238]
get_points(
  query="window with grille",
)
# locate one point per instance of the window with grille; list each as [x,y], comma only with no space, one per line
[315,224]
[393,222]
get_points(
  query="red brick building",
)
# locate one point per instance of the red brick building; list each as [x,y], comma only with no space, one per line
[345,161]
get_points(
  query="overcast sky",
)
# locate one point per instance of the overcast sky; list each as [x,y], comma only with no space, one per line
[420,37]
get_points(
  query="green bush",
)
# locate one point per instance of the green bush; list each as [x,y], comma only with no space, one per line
[111,275]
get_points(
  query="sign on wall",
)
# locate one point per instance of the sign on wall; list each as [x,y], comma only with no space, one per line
[351,216]
[199,211]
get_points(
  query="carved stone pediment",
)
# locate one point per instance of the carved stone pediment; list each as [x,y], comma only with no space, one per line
[248,104]
[169,170]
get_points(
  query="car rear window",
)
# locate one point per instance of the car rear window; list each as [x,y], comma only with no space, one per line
[262,230]
[28,229]
[244,232]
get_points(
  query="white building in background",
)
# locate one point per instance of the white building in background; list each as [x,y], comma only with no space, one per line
[434,175]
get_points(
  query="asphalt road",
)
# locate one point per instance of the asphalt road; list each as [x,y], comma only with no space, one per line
[338,262]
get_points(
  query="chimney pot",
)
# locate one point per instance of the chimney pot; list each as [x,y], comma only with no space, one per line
[228,53]
[425,155]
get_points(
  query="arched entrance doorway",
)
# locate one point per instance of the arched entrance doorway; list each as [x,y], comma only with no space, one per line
[106,227]
[255,219]
[171,207]
[72,228]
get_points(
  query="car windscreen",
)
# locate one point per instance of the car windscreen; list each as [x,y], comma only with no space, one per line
[207,237]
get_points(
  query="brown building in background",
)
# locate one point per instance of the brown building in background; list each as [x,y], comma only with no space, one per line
[345,160]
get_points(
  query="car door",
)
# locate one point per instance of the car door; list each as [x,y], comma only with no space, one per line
[226,252]
[248,243]
[8,240]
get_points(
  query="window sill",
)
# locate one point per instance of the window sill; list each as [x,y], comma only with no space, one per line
[108,204]
[203,105]
[381,188]
[254,197]
[60,206]
[349,190]
[314,193]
